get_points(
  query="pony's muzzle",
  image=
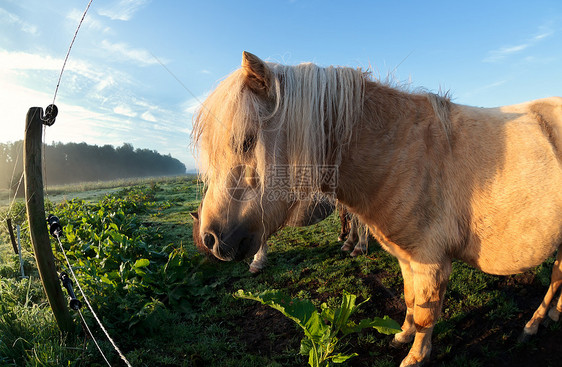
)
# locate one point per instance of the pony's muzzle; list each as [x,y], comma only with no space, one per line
[228,245]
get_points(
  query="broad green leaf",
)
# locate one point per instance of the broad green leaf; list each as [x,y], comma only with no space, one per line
[340,358]
[141,263]
[105,279]
[384,325]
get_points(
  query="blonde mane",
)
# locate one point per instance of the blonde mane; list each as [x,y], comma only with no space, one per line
[311,109]
[311,112]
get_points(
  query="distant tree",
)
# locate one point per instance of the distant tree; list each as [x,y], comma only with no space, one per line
[77,162]
[11,163]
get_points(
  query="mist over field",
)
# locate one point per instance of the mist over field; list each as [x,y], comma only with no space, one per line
[79,162]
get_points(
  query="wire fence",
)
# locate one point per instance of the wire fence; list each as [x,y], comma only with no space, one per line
[57,236]
[12,201]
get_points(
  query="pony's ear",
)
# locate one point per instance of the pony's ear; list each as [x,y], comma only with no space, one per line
[194,215]
[258,75]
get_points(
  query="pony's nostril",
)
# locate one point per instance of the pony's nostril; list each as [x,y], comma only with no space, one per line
[209,240]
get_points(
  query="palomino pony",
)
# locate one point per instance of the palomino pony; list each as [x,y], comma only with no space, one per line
[433,180]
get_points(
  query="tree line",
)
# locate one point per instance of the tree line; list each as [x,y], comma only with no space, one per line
[67,163]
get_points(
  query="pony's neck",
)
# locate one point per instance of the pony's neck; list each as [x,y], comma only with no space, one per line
[385,147]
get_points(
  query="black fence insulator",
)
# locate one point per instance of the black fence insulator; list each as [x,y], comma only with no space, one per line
[12,237]
[74,303]
[51,113]
[54,226]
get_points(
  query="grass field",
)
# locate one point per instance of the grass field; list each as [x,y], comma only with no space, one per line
[86,190]
[165,305]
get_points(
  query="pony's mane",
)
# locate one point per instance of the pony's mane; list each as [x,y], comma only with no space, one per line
[311,111]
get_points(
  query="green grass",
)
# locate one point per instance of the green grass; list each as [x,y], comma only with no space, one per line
[93,190]
[181,312]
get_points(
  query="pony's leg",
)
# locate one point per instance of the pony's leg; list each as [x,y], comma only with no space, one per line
[408,328]
[352,236]
[430,282]
[363,245]
[554,313]
[344,222]
[260,258]
[532,326]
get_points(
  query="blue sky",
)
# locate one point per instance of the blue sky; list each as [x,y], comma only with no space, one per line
[115,89]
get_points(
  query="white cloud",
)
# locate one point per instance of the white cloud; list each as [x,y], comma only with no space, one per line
[148,116]
[494,85]
[105,83]
[503,52]
[90,21]
[513,49]
[543,35]
[124,111]
[506,51]
[17,61]
[123,10]
[192,105]
[127,53]
[26,61]
[8,18]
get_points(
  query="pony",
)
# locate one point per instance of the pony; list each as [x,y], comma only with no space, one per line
[433,180]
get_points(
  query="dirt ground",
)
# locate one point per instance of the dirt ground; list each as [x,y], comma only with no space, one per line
[477,341]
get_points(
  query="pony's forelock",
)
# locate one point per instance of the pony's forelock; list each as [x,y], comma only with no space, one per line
[221,125]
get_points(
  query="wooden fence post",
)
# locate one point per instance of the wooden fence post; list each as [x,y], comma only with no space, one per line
[37,219]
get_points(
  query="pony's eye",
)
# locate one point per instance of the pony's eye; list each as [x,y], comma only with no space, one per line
[248,144]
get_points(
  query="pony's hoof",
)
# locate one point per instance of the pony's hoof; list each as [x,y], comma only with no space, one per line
[396,344]
[554,314]
[255,269]
[357,252]
[411,361]
[347,247]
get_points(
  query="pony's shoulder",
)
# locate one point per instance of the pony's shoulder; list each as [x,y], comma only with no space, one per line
[548,103]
